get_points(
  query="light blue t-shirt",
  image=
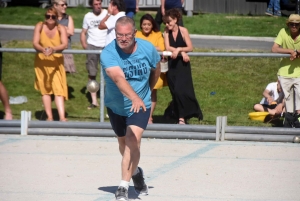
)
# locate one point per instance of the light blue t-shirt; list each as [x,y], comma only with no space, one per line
[136,67]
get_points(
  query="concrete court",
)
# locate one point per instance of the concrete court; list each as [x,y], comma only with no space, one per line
[88,168]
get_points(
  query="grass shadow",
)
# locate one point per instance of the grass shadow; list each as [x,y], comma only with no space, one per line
[41,115]
[70,91]
[84,91]
[160,119]
[2,114]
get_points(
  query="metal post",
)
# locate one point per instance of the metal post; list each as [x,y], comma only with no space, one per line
[297,7]
[189,7]
[29,115]
[24,122]
[224,124]
[218,126]
[101,95]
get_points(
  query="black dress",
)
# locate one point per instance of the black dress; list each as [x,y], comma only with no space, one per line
[179,76]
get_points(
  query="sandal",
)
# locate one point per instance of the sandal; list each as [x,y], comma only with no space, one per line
[92,106]
[65,119]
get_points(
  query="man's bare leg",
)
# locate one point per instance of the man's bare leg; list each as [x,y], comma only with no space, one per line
[129,147]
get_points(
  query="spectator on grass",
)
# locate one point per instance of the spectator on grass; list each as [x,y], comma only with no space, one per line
[274,8]
[67,21]
[179,75]
[272,100]
[92,38]
[167,5]
[49,37]
[116,9]
[288,42]
[132,7]
[150,32]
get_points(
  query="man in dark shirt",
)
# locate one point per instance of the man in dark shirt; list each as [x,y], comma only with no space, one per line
[132,7]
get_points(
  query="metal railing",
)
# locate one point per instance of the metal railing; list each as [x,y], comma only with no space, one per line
[165,53]
[201,132]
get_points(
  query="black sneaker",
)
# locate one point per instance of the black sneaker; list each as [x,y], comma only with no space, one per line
[140,186]
[121,193]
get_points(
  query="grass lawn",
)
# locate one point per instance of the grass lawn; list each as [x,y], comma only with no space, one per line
[211,24]
[238,84]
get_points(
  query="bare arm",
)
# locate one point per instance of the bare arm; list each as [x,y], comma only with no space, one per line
[154,75]
[163,7]
[267,96]
[118,77]
[277,49]
[36,38]
[70,27]
[137,6]
[63,39]
[102,24]
[83,38]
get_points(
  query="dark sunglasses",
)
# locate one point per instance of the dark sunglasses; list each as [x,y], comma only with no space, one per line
[63,4]
[294,24]
[50,16]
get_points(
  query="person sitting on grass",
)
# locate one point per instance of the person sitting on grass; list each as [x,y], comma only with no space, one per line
[272,101]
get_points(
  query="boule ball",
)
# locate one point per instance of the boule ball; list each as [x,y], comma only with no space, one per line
[92,86]
[296,139]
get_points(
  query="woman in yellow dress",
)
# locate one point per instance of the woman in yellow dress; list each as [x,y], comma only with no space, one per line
[48,38]
[150,32]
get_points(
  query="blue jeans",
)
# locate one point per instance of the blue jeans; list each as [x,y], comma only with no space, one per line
[130,12]
[274,4]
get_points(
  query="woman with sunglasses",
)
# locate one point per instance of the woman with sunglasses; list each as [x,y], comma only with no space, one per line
[150,32]
[179,75]
[49,38]
[67,21]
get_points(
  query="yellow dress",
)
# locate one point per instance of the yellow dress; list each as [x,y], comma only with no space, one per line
[158,41]
[49,70]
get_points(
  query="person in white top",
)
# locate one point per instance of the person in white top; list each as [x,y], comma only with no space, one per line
[116,9]
[271,93]
[92,38]
[272,101]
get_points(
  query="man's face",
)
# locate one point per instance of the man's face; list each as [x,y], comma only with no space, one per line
[125,35]
[97,6]
[294,27]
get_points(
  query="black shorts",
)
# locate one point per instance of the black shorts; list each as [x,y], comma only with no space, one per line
[119,123]
[266,107]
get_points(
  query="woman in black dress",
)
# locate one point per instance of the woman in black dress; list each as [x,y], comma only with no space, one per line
[179,76]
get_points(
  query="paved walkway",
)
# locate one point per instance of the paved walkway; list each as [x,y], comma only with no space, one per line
[87,168]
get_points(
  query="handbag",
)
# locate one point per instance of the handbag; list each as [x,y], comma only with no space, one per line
[164,65]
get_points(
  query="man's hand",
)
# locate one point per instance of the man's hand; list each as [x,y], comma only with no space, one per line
[294,55]
[137,104]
